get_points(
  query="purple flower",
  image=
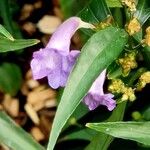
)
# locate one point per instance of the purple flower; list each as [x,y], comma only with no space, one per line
[96,97]
[56,60]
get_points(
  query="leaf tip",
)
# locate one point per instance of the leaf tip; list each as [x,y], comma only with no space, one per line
[37,41]
[11,38]
[87,125]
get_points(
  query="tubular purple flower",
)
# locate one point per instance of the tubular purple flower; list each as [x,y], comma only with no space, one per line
[96,97]
[56,60]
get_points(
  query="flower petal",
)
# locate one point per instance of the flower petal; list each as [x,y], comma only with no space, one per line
[54,79]
[63,80]
[73,55]
[69,61]
[95,100]
[90,102]
[107,101]
[61,38]
[55,61]
[43,62]
[65,64]
[96,96]
[97,86]
[57,78]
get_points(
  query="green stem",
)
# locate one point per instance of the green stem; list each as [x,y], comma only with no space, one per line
[136,76]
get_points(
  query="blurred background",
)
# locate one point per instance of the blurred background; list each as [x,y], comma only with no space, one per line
[32,104]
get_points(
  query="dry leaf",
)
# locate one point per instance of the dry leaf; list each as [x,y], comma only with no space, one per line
[29,27]
[37,96]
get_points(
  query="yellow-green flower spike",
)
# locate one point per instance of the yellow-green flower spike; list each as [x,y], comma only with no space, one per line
[131,4]
[116,86]
[146,40]
[128,62]
[106,23]
[133,26]
[143,80]
[128,94]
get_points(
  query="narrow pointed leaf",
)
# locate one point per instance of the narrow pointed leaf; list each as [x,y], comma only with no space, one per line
[143,11]
[145,50]
[72,7]
[15,137]
[95,11]
[136,131]
[10,78]
[97,54]
[16,44]
[7,16]
[6,33]
[114,3]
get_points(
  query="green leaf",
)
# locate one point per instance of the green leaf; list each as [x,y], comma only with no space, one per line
[146,55]
[136,131]
[6,33]
[85,134]
[146,114]
[79,112]
[10,78]
[66,7]
[118,17]
[72,7]
[102,141]
[14,136]
[143,11]
[145,50]
[113,3]
[95,11]
[97,54]
[16,44]
[114,71]
[7,17]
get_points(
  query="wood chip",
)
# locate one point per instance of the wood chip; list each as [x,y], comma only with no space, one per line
[29,27]
[46,124]
[50,103]
[32,84]
[1,107]
[14,108]
[26,11]
[58,13]
[47,104]
[11,105]
[29,83]
[28,75]
[38,4]
[37,134]
[4,147]
[48,24]
[38,106]
[32,113]
[40,96]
